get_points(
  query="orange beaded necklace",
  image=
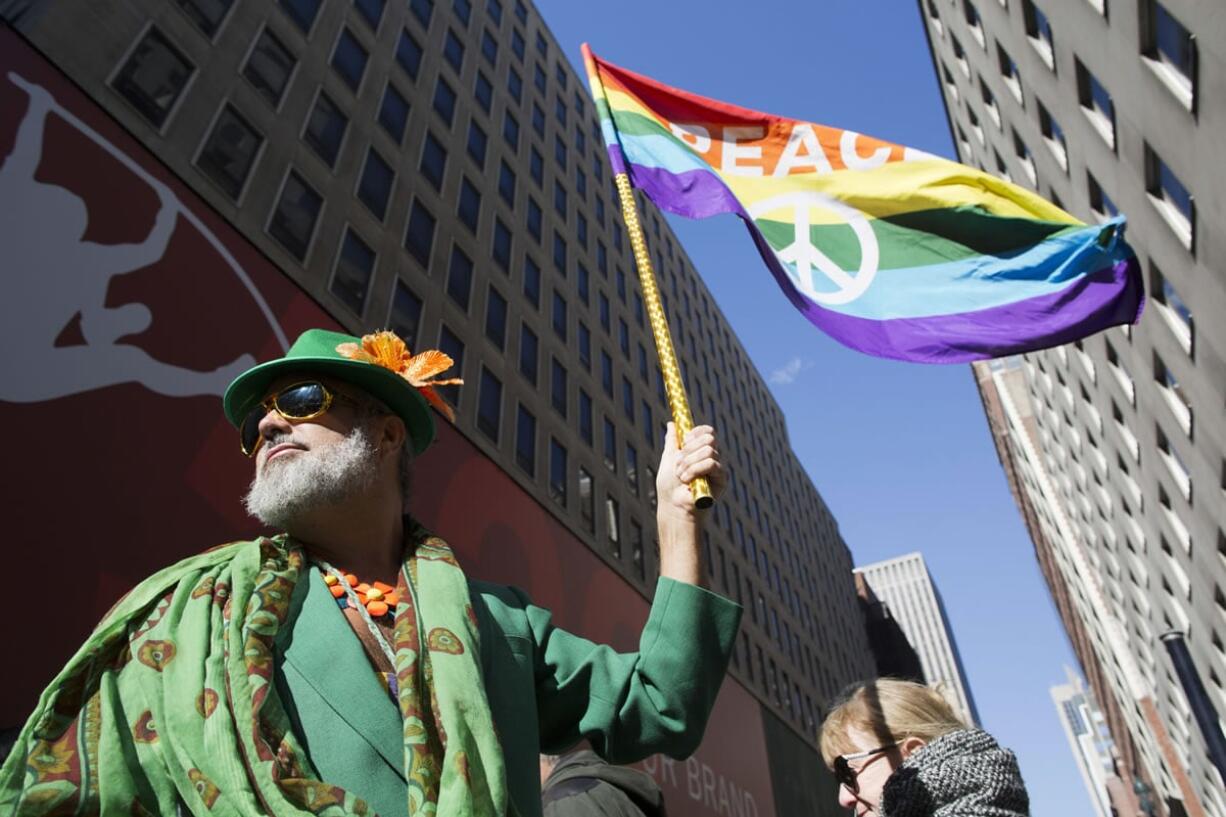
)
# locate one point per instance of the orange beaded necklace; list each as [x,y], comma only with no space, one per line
[379,598]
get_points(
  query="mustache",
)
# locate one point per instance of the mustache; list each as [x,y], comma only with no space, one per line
[277,439]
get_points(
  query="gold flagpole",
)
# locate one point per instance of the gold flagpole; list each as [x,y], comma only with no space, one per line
[683,421]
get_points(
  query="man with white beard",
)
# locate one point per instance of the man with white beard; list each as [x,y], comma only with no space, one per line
[347,666]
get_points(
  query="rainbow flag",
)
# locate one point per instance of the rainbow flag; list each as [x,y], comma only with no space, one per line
[890,250]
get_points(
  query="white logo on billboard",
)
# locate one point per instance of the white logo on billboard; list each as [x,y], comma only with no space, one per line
[52,275]
[809,261]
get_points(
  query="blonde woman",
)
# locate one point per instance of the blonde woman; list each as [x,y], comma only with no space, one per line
[898,750]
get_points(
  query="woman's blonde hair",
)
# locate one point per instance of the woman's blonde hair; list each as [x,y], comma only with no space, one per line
[890,709]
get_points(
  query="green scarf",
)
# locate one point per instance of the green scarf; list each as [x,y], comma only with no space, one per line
[172,698]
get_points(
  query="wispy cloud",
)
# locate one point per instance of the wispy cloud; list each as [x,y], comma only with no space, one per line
[788,372]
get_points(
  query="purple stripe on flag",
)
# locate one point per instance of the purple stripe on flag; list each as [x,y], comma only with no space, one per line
[1090,303]
[693,194]
[616,159]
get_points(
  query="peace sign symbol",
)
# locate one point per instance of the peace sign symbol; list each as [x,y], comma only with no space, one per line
[806,257]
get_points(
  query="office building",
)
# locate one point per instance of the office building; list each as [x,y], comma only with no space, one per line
[892,652]
[905,585]
[1105,107]
[1088,739]
[437,168]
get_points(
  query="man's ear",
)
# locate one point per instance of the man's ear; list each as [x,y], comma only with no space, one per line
[392,436]
[910,746]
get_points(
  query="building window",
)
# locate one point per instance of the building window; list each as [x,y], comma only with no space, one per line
[453,51]
[960,56]
[1170,197]
[394,113]
[154,77]
[613,526]
[349,59]
[371,11]
[528,353]
[206,15]
[606,372]
[636,549]
[632,469]
[559,316]
[989,102]
[517,44]
[515,85]
[587,500]
[1104,208]
[557,472]
[325,129]
[496,318]
[301,12]
[483,92]
[422,10]
[1174,311]
[534,219]
[460,278]
[585,416]
[354,267]
[538,120]
[489,405]
[1009,73]
[419,234]
[525,440]
[489,48]
[408,54]
[1170,51]
[973,23]
[476,143]
[539,79]
[463,10]
[229,152]
[583,284]
[293,221]
[536,166]
[1038,31]
[375,187]
[433,161]
[559,253]
[450,345]
[1174,395]
[610,445]
[558,379]
[269,67]
[532,282]
[585,346]
[1096,104]
[510,130]
[506,184]
[502,245]
[469,207]
[1024,156]
[1002,169]
[444,101]
[559,200]
[1053,136]
[405,317]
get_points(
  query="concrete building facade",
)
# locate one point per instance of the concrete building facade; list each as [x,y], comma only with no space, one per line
[1106,107]
[905,585]
[437,168]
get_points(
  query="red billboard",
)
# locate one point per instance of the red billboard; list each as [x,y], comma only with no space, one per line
[129,305]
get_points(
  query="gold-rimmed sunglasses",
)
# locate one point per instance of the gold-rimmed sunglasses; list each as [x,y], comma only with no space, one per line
[297,403]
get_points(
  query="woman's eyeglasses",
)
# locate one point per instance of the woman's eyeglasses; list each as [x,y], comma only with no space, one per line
[846,775]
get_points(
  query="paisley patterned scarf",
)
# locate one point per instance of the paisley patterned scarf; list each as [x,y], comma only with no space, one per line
[172,699]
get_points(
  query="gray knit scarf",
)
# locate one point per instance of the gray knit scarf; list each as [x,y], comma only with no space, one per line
[960,774]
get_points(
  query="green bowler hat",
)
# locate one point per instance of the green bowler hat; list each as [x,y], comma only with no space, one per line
[315,353]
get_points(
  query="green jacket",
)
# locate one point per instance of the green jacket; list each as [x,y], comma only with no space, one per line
[547,688]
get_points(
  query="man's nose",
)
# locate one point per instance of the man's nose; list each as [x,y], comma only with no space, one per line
[274,424]
[846,798]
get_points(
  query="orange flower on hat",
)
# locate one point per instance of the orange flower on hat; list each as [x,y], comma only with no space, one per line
[387,350]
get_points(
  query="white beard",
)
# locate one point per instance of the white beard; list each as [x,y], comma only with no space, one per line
[283,490]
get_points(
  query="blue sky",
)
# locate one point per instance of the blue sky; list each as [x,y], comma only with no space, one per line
[901,452]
